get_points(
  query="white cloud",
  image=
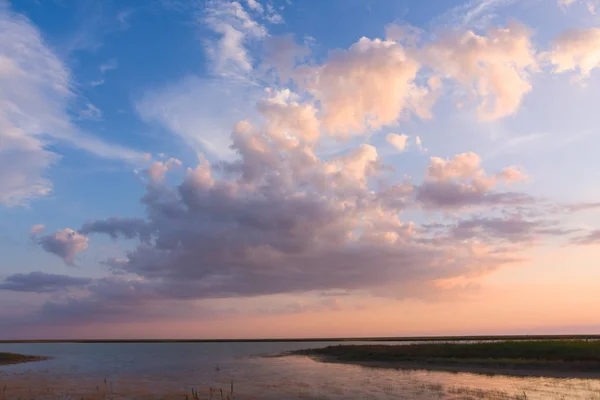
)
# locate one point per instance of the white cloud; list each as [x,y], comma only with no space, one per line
[400,142]
[576,50]
[35,92]
[368,86]
[108,66]
[36,229]
[158,169]
[512,174]
[201,112]
[419,144]
[282,55]
[474,13]
[286,116]
[591,5]
[494,68]
[255,5]
[234,28]
[90,112]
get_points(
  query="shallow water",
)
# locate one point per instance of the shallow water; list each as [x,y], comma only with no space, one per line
[174,367]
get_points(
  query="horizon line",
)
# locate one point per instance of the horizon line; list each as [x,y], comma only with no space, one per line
[313,339]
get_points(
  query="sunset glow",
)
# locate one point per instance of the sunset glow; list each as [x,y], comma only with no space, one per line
[288,168]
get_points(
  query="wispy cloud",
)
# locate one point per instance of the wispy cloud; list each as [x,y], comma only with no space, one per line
[234,29]
[36,89]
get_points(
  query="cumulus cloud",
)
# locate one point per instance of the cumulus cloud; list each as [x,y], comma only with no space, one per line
[512,174]
[493,68]
[286,116]
[365,87]
[283,55]
[281,220]
[35,92]
[41,282]
[65,243]
[37,229]
[159,169]
[400,142]
[461,181]
[576,50]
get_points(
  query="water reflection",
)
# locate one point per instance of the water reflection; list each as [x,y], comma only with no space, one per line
[154,369]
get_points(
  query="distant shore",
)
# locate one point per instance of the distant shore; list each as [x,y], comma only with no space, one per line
[12,358]
[559,359]
[326,339]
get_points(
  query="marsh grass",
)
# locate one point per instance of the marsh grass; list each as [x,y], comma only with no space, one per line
[575,355]
[106,391]
[13,358]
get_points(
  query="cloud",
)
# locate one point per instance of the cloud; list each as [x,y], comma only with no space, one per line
[419,144]
[41,282]
[200,112]
[282,55]
[281,220]
[493,68]
[35,90]
[286,116]
[255,5]
[576,50]
[158,169]
[65,243]
[591,5]
[461,181]
[512,174]
[37,229]
[368,86]
[400,142]
[108,66]
[234,28]
[114,227]
[474,13]
[90,112]
[591,238]
[511,228]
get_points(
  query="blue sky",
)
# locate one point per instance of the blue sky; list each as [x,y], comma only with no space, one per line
[117,121]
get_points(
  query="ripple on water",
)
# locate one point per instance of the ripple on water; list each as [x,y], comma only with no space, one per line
[155,370]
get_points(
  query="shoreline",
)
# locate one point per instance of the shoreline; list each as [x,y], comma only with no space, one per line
[325,339]
[558,359]
[13,358]
[470,368]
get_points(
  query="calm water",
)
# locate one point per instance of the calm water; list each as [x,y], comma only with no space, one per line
[177,366]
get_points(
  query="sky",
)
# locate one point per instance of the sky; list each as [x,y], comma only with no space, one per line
[290,168]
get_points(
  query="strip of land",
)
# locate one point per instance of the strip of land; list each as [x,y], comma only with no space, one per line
[12,358]
[550,358]
[326,339]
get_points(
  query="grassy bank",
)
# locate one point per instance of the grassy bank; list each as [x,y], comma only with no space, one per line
[12,358]
[563,357]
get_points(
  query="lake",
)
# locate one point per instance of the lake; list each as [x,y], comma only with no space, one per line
[163,367]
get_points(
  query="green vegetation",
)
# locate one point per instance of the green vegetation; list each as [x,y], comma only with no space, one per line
[11,358]
[553,355]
